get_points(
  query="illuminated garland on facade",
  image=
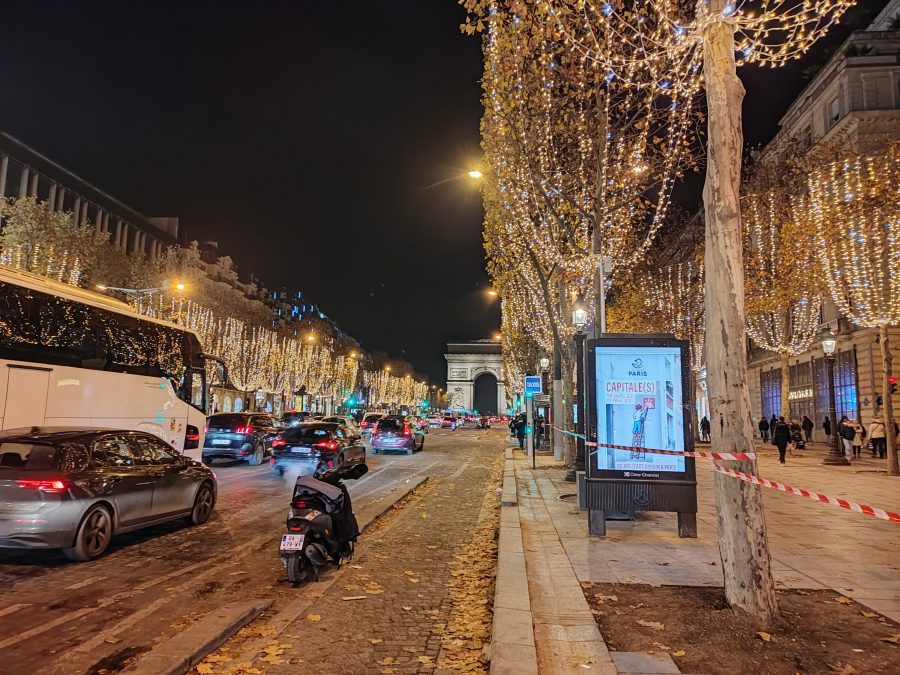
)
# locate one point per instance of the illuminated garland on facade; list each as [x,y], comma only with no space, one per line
[854,207]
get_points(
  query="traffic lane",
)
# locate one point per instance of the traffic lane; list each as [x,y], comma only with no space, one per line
[164,575]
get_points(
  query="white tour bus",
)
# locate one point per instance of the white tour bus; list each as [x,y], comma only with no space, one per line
[70,357]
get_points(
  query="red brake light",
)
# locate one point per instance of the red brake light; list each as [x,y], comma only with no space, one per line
[192,437]
[295,528]
[279,442]
[406,430]
[243,430]
[327,445]
[54,485]
[300,505]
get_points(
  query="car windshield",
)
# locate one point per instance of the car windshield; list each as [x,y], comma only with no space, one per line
[390,424]
[336,420]
[29,456]
[372,418]
[314,434]
[227,421]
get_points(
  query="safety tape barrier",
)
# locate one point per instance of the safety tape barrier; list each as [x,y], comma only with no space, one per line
[755,480]
[800,492]
[731,456]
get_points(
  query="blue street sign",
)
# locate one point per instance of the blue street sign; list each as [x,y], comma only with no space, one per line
[532,384]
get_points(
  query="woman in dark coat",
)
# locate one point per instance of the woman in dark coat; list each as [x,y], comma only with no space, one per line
[781,436]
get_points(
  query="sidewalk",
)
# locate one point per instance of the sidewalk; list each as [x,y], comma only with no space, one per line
[813,546]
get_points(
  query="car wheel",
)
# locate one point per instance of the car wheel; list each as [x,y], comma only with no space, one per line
[258,455]
[203,505]
[93,535]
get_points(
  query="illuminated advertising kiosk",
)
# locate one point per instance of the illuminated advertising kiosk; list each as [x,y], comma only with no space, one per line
[639,398]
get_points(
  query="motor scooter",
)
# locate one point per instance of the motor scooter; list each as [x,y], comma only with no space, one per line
[321,527]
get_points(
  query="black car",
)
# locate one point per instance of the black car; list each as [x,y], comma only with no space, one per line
[74,488]
[317,442]
[246,436]
[292,419]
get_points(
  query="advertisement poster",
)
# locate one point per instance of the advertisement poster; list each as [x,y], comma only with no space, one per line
[639,404]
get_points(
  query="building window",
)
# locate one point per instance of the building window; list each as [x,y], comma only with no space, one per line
[801,399]
[834,111]
[770,392]
[845,390]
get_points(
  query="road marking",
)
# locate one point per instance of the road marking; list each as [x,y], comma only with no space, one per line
[13,608]
[86,582]
[105,602]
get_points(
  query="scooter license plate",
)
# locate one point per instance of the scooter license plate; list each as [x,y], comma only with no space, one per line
[292,542]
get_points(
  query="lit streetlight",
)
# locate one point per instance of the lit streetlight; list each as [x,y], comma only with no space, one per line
[475,174]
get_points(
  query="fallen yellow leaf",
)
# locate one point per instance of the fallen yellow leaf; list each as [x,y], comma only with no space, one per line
[376,641]
[895,638]
[205,669]
[407,608]
[655,625]
[844,600]
[680,652]
[869,615]
[766,637]
[314,617]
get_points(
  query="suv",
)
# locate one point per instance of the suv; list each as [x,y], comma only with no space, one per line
[368,422]
[246,436]
[395,432]
[317,442]
[449,422]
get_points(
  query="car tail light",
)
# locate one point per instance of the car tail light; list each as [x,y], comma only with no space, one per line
[294,528]
[52,485]
[243,430]
[279,442]
[330,464]
[327,445]
[374,428]
[406,430]
[300,505]
[192,437]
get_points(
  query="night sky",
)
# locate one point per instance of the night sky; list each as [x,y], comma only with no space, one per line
[300,136]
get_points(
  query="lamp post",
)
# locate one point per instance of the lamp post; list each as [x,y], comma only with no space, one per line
[579,320]
[835,454]
[544,363]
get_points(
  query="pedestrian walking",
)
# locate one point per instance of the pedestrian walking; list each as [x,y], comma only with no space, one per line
[826,426]
[879,439]
[847,433]
[808,426]
[538,432]
[859,438]
[764,429]
[520,431]
[781,437]
[704,429]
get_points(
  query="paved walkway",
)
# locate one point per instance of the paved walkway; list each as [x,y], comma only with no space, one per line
[813,546]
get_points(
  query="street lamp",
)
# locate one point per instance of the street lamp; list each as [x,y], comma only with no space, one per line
[491,293]
[835,454]
[475,174]
[497,337]
[544,362]
[579,321]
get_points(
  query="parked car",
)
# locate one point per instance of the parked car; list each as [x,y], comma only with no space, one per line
[449,422]
[397,433]
[292,419]
[330,443]
[345,420]
[368,423]
[74,488]
[246,436]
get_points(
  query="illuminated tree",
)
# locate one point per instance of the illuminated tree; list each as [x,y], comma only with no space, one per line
[678,45]
[853,204]
[783,288]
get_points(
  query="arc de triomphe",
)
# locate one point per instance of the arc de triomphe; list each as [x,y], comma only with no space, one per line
[466,363]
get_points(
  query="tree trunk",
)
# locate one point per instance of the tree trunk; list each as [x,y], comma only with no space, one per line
[743,544]
[559,421]
[785,387]
[887,408]
[568,386]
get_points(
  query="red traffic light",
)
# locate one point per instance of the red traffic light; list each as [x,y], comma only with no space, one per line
[892,380]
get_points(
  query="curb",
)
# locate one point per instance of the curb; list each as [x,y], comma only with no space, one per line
[184,651]
[187,649]
[513,649]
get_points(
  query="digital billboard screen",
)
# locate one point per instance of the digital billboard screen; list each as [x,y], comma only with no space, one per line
[640,404]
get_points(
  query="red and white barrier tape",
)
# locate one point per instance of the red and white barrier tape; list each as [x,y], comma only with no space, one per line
[731,456]
[800,492]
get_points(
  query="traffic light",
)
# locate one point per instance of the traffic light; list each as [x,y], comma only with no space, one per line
[893,383]
[425,404]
